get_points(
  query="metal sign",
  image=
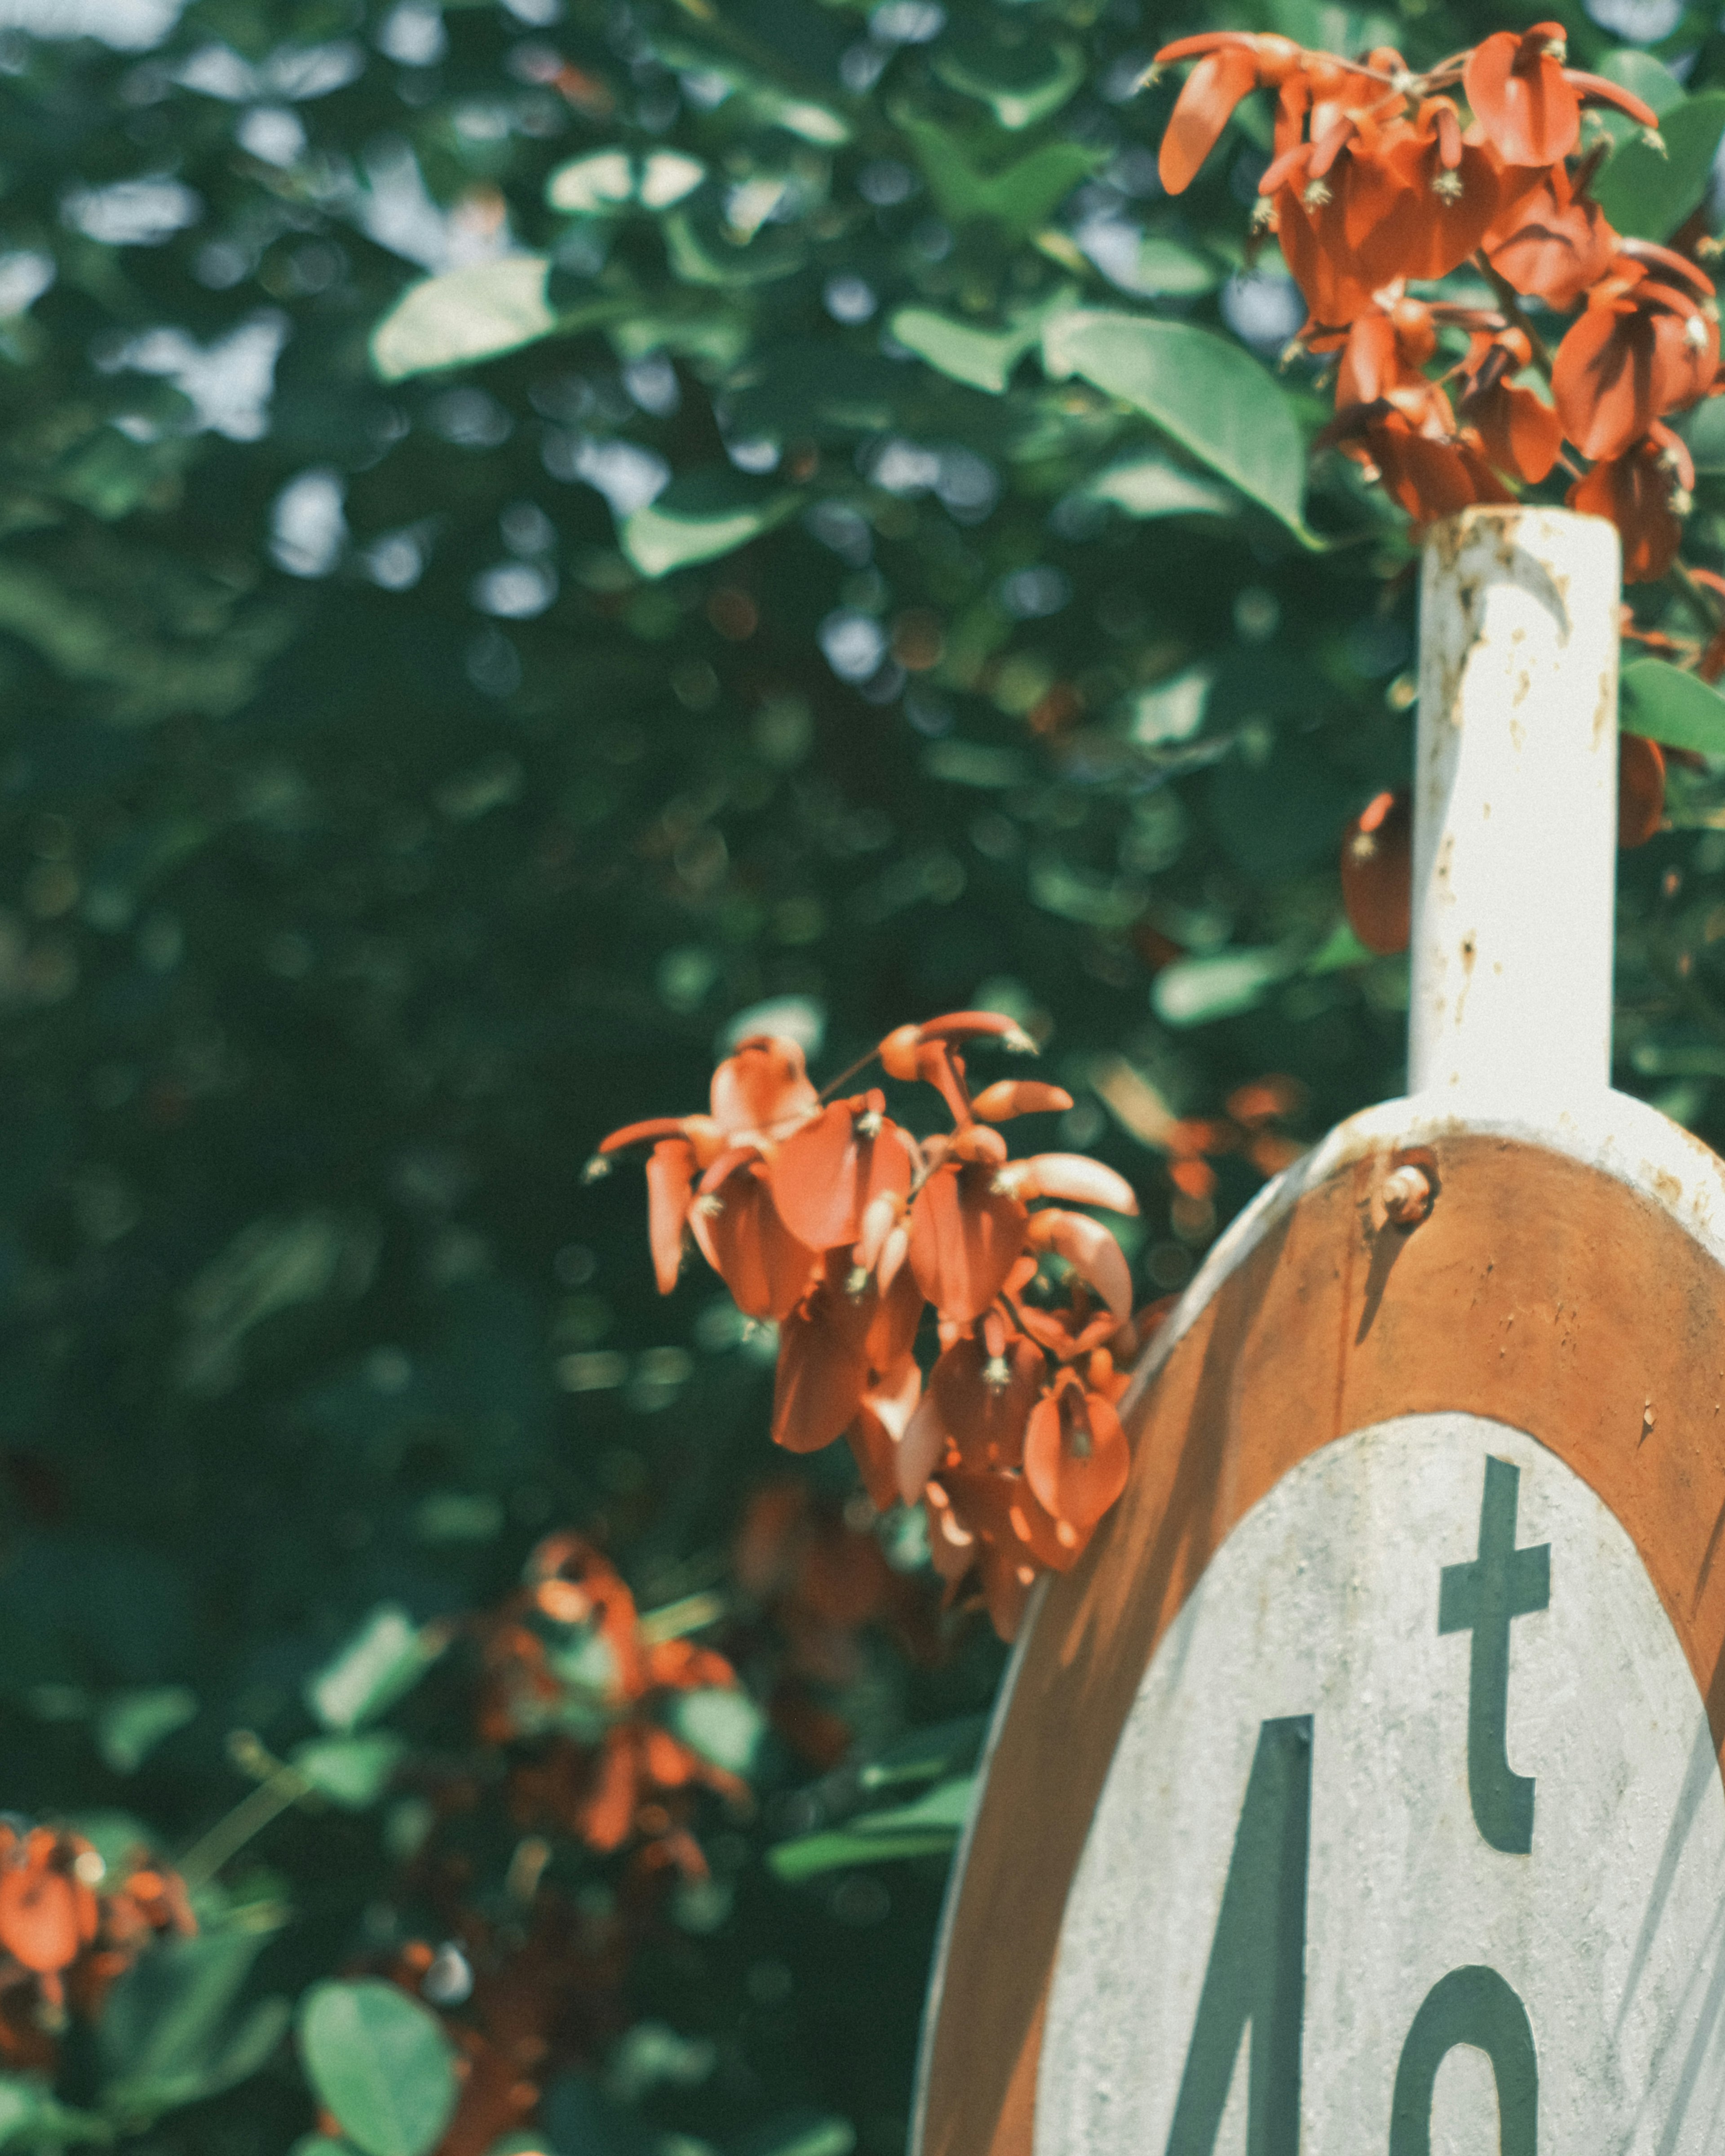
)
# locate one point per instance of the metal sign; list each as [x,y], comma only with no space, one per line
[1360,1789]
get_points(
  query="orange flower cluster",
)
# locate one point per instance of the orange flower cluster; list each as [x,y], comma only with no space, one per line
[565,1664]
[834,1221]
[1379,182]
[63,1943]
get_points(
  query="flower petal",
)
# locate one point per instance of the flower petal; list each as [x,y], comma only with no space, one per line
[671,1182]
[823,1366]
[1071,1176]
[761,1086]
[1007,1097]
[1202,110]
[985,1401]
[965,1233]
[743,1240]
[1091,1251]
[1076,1458]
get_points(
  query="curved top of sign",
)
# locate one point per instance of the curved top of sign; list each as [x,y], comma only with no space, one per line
[1566,1285]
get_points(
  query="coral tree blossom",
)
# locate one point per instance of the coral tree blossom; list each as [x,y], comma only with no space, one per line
[1382,180]
[830,1218]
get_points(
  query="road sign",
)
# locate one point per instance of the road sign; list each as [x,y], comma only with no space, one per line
[1360,1789]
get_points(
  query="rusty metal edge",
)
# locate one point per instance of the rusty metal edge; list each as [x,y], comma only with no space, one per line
[1613,1132]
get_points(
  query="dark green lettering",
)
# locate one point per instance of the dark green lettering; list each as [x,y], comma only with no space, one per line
[1468,2006]
[1503,1583]
[1256,1975]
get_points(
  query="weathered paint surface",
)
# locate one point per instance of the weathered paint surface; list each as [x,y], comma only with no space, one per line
[1567,1284]
[1515,810]
[1323,1613]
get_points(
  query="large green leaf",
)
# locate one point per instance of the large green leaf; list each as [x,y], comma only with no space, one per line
[1669,706]
[1213,398]
[1017,196]
[1153,486]
[173,2031]
[701,517]
[471,314]
[1647,194]
[380,2063]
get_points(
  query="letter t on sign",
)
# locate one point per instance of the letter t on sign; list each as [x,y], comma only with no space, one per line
[1503,1583]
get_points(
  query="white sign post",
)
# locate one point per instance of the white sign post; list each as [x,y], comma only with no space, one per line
[1359,1793]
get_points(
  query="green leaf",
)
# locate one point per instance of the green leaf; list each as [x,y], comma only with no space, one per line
[720,1722]
[983,359]
[1339,949]
[929,1827]
[800,386]
[30,2118]
[698,518]
[1017,197]
[698,258]
[383,1660]
[1647,196]
[802,2134]
[949,1748]
[380,2063]
[1195,991]
[1021,84]
[1669,706]
[1650,79]
[1704,431]
[464,314]
[608,181]
[130,1725]
[1149,263]
[352,1772]
[1153,486]
[1212,398]
[171,2032]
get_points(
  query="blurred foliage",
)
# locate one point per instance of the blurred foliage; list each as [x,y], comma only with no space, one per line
[530,531]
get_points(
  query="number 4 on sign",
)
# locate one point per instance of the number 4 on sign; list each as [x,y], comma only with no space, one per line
[1256,1978]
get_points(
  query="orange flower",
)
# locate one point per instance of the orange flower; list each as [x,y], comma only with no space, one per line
[1076,1453]
[828,1172]
[1641,789]
[1378,872]
[1427,477]
[1521,432]
[608,1783]
[1645,492]
[1644,345]
[1382,362]
[1550,242]
[1520,97]
[759,1095]
[1529,104]
[47,1911]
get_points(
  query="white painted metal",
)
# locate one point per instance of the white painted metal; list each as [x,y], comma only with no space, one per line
[1515,806]
[1324,1602]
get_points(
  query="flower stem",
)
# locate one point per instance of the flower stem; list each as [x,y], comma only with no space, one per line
[1512,308]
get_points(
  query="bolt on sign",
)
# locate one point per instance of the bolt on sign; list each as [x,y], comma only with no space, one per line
[1360,1789]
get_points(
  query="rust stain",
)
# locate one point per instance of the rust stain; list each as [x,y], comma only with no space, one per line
[1275,1366]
